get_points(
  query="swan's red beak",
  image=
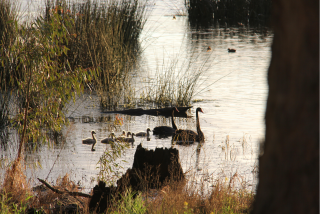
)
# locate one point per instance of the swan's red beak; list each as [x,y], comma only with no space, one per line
[201,110]
[177,109]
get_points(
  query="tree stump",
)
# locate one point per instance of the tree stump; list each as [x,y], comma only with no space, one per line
[150,169]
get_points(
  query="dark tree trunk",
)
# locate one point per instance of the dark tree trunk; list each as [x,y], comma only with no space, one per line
[289,166]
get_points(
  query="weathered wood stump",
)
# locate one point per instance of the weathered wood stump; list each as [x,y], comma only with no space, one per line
[150,169]
[102,197]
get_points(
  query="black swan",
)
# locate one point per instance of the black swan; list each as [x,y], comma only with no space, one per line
[144,134]
[189,136]
[109,139]
[166,130]
[92,140]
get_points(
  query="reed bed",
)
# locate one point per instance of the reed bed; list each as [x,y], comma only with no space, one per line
[174,83]
[104,39]
[69,46]
[9,73]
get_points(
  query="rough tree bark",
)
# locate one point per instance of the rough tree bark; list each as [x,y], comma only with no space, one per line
[289,166]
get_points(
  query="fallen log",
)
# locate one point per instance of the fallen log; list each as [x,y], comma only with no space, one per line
[154,112]
[63,192]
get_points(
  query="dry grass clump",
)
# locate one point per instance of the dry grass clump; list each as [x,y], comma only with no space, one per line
[222,198]
[19,197]
[15,191]
[174,197]
[52,202]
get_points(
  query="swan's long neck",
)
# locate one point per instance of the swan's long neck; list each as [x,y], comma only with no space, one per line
[172,120]
[93,137]
[198,123]
[95,141]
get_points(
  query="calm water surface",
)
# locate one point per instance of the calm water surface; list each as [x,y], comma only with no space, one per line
[232,92]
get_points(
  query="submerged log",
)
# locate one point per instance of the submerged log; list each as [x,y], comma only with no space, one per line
[155,112]
[150,169]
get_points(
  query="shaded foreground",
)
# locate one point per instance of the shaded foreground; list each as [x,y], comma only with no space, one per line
[155,184]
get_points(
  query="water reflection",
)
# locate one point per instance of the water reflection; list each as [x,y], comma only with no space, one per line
[232,92]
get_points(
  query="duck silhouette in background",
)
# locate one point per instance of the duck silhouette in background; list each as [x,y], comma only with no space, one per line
[90,141]
[231,50]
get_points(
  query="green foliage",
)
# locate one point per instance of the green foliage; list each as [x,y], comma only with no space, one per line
[8,35]
[109,168]
[104,38]
[131,204]
[48,81]
[8,15]
[8,206]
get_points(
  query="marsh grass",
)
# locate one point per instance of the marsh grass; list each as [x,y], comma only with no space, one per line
[104,38]
[221,199]
[9,73]
[175,82]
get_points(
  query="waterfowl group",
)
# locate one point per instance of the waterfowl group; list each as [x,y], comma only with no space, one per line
[179,136]
[129,139]
[123,136]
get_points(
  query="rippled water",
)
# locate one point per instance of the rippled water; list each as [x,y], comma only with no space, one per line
[232,93]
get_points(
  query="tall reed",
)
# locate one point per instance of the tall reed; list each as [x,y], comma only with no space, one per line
[9,73]
[175,82]
[104,38]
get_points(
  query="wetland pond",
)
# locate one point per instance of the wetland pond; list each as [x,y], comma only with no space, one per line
[232,92]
